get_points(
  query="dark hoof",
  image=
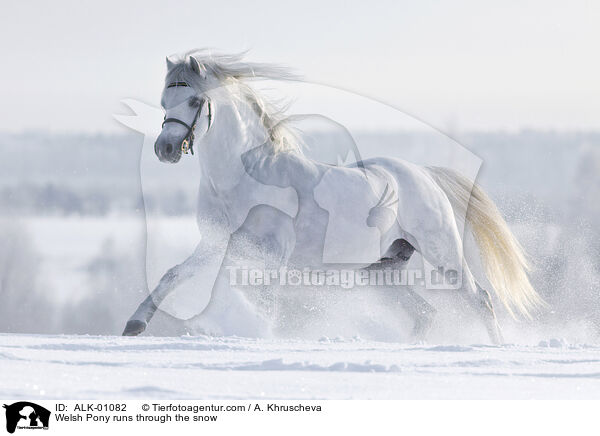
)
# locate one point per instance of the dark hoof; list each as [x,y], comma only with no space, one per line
[134,327]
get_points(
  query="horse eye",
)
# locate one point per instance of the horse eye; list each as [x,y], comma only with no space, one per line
[194,102]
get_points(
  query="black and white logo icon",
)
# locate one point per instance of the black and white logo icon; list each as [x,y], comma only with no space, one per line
[26,415]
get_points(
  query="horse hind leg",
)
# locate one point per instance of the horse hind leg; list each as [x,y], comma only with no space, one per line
[420,310]
[447,253]
[494,329]
[481,301]
[417,307]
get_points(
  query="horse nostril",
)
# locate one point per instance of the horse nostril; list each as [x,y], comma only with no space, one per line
[169,148]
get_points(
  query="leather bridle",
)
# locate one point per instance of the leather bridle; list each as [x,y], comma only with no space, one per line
[188,141]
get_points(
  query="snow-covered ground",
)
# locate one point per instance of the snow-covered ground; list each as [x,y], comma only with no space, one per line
[89,278]
[94,367]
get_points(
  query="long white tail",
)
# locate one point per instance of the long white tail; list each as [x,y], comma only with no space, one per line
[503,258]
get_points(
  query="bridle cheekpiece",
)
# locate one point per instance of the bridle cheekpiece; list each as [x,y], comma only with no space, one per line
[188,141]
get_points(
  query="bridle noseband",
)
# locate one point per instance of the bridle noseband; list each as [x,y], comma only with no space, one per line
[188,141]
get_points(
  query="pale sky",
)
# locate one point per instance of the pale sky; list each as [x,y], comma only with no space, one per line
[479,65]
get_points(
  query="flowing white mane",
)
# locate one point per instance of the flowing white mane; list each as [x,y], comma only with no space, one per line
[232,69]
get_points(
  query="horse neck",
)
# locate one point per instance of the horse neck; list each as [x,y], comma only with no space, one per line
[236,129]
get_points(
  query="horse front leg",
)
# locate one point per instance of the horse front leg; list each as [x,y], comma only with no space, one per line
[138,322]
[174,277]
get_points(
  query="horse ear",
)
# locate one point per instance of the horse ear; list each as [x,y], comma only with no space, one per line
[169,63]
[197,67]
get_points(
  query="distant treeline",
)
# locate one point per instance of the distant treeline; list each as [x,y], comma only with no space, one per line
[43,173]
[53,199]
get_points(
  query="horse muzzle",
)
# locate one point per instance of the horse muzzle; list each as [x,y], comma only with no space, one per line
[168,148]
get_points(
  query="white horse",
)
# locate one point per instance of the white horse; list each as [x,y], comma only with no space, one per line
[257,185]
